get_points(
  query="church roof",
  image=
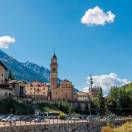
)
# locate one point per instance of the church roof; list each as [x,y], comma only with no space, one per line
[54,56]
[65,80]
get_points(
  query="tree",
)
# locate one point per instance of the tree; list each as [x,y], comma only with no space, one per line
[99,102]
[119,100]
[11,76]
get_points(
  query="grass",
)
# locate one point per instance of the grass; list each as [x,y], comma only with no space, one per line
[49,108]
[126,127]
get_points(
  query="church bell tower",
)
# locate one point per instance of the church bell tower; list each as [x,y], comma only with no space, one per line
[53,72]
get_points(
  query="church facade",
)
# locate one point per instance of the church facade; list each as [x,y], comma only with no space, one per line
[59,90]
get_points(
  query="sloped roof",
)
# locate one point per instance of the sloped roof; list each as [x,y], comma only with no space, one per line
[54,56]
[65,80]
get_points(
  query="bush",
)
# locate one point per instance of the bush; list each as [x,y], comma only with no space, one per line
[62,116]
[64,106]
[10,106]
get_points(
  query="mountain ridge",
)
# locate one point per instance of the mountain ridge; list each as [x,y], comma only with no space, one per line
[26,71]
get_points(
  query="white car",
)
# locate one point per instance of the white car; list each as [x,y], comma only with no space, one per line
[9,118]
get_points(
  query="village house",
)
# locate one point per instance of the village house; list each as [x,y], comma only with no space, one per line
[36,90]
[3,73]
[81,96]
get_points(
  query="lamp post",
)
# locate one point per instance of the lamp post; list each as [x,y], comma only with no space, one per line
[89,106]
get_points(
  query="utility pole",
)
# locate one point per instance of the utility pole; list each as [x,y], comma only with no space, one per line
[89,106]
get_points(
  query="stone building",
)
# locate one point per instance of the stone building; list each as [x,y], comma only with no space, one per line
[5,90]
[94,91]
[62,90]
[36,90]
[81,96]
[17,87]
[3,73]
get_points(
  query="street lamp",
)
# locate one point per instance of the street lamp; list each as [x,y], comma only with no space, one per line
[89,106]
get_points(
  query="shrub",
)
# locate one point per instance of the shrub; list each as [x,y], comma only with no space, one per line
[62,116]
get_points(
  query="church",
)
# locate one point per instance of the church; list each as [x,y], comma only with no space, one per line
[59,90]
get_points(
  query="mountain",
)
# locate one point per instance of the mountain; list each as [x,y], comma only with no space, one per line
[127,87]
[25,71]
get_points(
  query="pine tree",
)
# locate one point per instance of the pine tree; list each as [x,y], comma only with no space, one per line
[11,76]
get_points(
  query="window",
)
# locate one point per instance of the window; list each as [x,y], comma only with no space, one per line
[10,94]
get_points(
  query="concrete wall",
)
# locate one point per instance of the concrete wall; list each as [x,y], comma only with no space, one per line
[72,127]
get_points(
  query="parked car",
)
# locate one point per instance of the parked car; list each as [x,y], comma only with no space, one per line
[90,118]
[9,118]
[38,119]
[27,118]
[2,116]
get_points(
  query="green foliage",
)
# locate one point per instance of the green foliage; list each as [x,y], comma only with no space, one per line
[119,100]
[48,107]
[58,106]
[64,106]
[11,76]
[99,102]
[62,116]
[10,106]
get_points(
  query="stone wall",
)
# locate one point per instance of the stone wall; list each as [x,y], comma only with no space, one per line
[72,127]
[78,127]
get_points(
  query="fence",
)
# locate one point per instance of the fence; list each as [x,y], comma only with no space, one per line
[59,121]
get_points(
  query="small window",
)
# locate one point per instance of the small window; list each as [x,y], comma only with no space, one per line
[10,94]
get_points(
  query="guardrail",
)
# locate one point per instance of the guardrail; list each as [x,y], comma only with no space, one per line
[57,121]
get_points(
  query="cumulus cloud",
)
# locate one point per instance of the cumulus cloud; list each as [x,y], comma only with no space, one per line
[97,16]
[106,81]
[6,41]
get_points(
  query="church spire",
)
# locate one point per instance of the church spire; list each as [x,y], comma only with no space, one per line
[91,81]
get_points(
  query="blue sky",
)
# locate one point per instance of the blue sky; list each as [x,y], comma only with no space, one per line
[39,26]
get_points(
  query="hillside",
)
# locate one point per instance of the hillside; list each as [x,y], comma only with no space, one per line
[25,71]
[128,87]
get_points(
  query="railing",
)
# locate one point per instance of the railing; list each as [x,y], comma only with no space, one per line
[56,122]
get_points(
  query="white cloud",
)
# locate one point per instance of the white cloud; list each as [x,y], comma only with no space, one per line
[5,41]
[97,16]
[106,81]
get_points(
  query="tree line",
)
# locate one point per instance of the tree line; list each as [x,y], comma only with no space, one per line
[118,101]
